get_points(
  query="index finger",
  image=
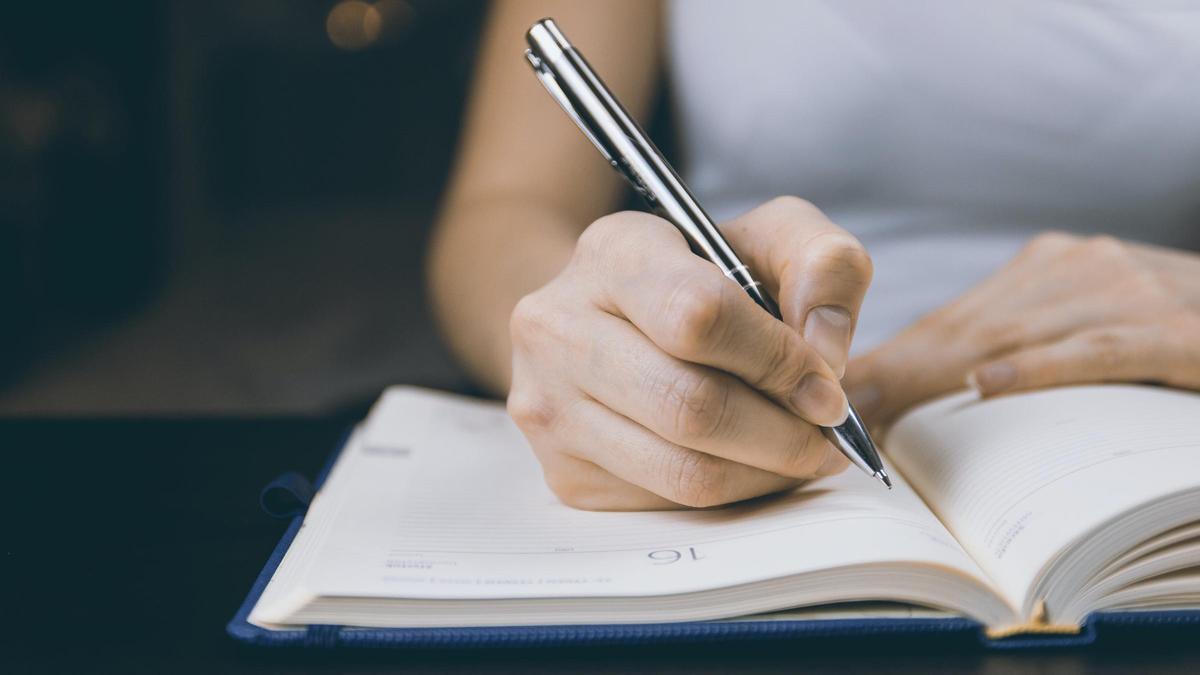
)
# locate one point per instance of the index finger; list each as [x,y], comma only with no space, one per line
[684,305]
[818,272]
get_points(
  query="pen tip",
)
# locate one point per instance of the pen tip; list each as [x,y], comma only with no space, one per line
[882,475]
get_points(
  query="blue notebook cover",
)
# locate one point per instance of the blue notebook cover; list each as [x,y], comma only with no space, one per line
[327,636]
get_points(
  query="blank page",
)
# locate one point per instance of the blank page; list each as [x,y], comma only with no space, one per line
[1019,478]
[440,497]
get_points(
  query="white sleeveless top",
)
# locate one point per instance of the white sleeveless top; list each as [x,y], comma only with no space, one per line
[944,133]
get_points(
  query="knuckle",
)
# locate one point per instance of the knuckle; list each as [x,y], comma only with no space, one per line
[535,316]
[530,413]
[693,314]
[1119,261]
[697,480]
[853,257]
[792,204]
[1050,241]
[696,405]
[597,235]
[839,254]
[613,232]
[1105,247]
[526,316]
[599,238]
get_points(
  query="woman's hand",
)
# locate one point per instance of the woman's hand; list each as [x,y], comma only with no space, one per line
[1066,310]
[643,378]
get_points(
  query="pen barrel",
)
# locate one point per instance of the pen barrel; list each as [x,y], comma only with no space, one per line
[851,438]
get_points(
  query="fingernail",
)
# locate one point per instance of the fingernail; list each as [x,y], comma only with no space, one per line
[820,400]
[827,329]
[993,378]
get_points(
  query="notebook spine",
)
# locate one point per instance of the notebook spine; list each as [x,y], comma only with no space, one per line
[1038,624]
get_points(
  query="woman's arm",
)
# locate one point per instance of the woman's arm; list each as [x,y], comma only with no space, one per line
[526,181]
[641,376]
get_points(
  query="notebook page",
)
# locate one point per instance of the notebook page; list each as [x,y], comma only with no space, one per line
[1017,478]
[442,498]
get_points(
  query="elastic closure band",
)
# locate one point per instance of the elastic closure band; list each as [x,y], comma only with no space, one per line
[287,496]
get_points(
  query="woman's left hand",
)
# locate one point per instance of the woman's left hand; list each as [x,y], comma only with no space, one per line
[1066,310]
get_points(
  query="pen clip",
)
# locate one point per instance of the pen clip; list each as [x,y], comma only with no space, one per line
[550,82]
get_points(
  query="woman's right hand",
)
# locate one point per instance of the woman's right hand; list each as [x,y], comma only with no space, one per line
[645,379]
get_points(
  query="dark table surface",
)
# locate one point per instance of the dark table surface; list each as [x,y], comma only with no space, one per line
[128,544]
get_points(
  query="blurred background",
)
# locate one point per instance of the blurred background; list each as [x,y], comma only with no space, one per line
[220,207]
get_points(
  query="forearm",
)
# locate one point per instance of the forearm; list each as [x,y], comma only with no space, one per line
[526,182]
[485,255]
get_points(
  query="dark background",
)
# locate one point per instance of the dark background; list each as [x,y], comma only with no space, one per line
[127,545]
[212,207]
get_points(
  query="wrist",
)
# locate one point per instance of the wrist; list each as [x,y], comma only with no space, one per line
[485,255]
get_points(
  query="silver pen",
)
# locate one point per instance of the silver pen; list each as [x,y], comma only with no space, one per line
[571,81]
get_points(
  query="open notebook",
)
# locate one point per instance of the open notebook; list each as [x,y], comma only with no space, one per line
[1025,513]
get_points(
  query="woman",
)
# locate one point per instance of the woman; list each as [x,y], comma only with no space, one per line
[976,150]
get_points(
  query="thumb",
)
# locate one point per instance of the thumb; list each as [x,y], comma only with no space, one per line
[818,272]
